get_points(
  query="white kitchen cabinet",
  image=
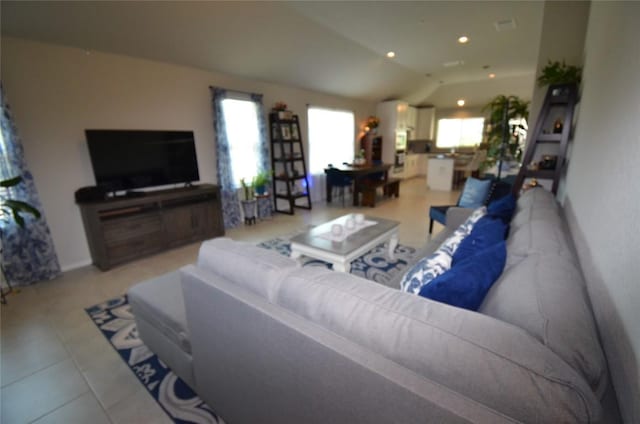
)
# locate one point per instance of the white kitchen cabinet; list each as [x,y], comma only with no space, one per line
[393,120]
[412,118]
[425,123]
[421,164]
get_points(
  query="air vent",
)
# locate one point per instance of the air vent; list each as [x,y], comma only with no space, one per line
[453,63]
[505,25]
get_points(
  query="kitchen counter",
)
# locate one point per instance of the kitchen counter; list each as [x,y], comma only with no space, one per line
[440,172]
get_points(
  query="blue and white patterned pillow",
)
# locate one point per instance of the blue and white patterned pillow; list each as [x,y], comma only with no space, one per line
[453,241]
[425,270]
[439,261]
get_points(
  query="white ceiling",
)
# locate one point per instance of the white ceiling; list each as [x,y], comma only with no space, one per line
[332,47]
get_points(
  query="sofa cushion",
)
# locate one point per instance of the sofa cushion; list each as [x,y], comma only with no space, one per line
[540,236]
[475,193]
[468,281]
[545,295]
[159,301]
[253,267]
[459,349]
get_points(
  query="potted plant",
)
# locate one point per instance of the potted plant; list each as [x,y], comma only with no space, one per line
[261,181]
[559,73]
[281,109]
[371,123]
[12,209]
[500,130]
[247,188]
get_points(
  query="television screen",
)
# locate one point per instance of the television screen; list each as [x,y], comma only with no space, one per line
[129,159]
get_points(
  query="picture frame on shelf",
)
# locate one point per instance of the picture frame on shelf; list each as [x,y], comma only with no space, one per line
[286,131]
[295,134]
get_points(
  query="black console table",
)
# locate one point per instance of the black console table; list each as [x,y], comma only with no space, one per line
[123,229]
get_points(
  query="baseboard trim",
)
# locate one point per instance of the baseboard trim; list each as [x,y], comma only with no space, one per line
[76,265]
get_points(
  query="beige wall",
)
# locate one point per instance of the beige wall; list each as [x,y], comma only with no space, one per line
[602,192]
[57,92]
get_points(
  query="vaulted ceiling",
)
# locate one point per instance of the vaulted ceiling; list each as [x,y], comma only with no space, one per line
[333,47]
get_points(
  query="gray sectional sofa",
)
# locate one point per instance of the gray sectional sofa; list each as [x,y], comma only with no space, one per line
[261,339]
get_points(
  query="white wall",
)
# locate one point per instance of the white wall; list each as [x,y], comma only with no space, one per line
[57,92]
[603,190]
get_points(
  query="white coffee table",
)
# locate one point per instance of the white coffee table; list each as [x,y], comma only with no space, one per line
[341,253]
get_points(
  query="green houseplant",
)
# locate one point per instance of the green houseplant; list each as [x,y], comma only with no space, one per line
[261,181]
[559,73]
[15,208]
[503,109]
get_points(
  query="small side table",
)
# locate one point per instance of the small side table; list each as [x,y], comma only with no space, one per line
[265,208]
[249,210]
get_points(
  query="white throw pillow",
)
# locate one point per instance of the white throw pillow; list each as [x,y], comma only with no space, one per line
[439,261]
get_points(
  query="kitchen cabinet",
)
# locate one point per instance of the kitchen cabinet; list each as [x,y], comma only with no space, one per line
[412,118]
[415,165]
[425,123]
[422,161]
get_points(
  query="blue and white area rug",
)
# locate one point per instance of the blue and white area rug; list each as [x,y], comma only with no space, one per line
[116,322]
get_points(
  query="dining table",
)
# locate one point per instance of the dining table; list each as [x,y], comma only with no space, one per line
[359,173]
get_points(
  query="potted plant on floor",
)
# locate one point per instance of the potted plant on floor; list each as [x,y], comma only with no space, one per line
[11,209]
[504,140]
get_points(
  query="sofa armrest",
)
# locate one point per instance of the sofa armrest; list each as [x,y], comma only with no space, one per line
[456,216]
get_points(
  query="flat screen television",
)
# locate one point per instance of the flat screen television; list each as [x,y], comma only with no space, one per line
[130,159]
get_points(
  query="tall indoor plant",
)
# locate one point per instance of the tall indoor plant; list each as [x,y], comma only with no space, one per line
[11,209]
[503,141]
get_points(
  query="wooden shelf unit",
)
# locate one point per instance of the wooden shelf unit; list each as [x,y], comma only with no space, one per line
[288,164]
[123,229]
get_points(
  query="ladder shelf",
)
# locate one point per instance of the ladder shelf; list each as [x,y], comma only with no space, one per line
[288,165]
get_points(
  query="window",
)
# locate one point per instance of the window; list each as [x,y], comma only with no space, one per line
[241,118]
[455,133]
[331,138]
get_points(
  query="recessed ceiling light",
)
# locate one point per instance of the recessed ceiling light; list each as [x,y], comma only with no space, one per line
[463,39]
[391,54]
[460,102]
[492,75]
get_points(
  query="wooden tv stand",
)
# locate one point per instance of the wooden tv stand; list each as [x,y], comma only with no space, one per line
[123,229]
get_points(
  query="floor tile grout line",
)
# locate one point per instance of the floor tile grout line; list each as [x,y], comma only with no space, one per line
[86,380]
[58,407]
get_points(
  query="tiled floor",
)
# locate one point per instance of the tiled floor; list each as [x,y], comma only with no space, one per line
[56,367]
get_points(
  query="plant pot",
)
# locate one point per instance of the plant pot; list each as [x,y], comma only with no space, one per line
[261,190]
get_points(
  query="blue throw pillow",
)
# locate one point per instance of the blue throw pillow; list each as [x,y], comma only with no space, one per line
[503,208]
[485,233]
[475,193]
[466,284]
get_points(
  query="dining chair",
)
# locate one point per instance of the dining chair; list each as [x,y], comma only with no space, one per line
[467,169]
[338,182]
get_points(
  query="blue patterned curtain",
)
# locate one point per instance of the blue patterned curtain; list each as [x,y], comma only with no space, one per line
[230,203]
[28,253]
